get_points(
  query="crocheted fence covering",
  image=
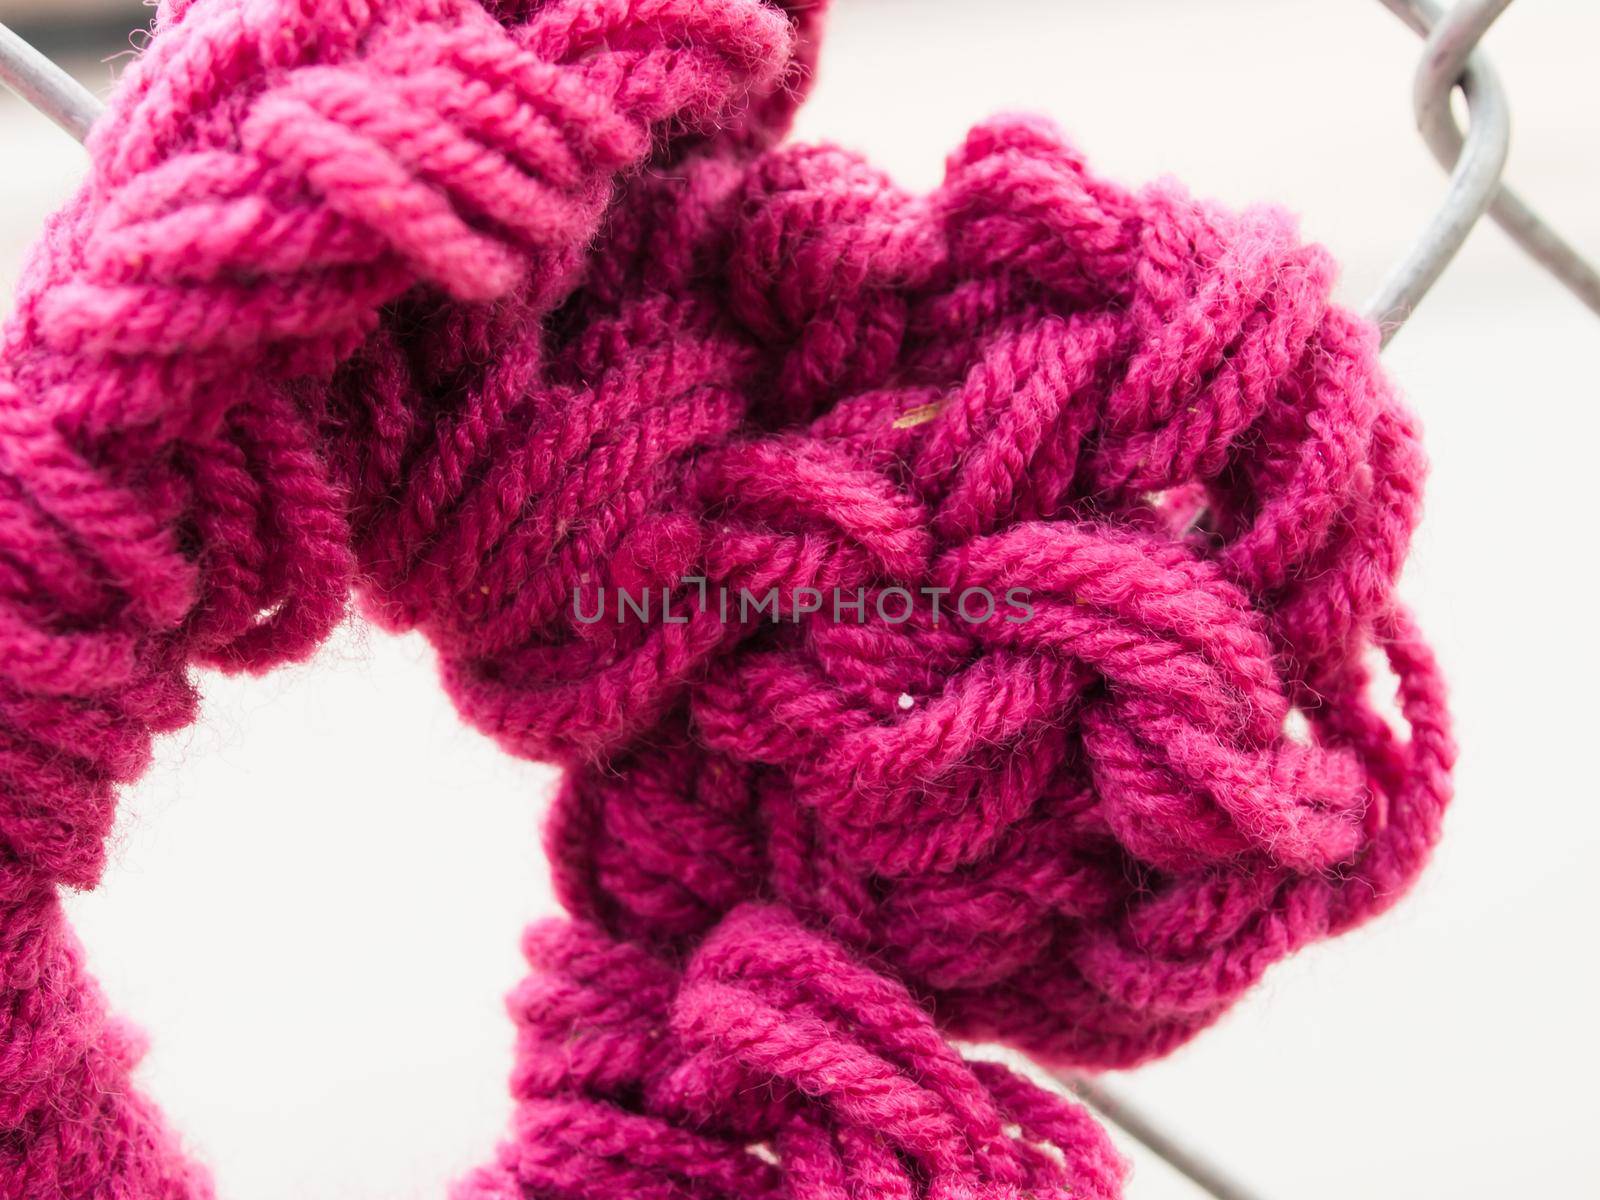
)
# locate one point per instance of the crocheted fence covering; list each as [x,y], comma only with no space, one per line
[955,610]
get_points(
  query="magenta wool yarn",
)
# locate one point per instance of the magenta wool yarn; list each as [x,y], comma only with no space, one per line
[1072,516]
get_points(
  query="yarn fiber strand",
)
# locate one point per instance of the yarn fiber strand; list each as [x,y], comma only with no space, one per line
[491,314]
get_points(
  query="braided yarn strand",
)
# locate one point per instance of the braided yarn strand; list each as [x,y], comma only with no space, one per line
[1085,833]
[495,313]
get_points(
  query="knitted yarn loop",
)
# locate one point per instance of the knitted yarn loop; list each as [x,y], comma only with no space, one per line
[487,312]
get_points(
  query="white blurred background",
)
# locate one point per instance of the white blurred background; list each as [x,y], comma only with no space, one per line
[316,895]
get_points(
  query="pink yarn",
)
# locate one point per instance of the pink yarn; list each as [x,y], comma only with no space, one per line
[493,311]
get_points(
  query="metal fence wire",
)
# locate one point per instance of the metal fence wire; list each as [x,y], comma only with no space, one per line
[1474,157]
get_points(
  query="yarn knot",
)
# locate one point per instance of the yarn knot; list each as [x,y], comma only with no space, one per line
[1086,684]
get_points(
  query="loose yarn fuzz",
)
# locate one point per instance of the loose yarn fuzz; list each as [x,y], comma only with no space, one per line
[476,309]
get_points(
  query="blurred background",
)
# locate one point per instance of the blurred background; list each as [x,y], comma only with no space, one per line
[316,895]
